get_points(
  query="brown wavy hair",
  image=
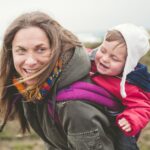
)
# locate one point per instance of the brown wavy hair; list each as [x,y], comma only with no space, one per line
[60,40]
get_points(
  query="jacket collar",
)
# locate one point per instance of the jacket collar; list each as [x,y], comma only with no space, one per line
[77,68]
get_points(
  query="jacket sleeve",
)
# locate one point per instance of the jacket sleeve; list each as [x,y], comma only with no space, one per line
[137,103]
[137,109]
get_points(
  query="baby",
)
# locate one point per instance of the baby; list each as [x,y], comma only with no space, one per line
[116,67]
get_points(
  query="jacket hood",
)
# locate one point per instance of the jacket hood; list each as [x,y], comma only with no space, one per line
[77,68]
[140,77]
[137,42]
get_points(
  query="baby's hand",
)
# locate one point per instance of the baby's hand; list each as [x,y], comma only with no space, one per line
[124,125]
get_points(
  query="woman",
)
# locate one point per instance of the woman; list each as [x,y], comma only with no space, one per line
[39,58]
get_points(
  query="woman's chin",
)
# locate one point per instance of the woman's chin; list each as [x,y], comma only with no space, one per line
[30,82]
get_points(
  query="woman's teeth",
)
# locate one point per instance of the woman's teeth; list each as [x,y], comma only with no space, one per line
[30,71]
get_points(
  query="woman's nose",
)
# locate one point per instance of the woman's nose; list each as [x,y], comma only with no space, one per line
[30,60]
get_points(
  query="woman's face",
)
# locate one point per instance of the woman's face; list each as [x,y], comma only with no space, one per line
[31,52]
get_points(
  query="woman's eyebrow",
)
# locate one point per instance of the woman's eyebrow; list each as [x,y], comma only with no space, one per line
[21,47]
[39,45]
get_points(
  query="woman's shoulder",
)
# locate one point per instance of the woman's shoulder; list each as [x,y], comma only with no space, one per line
[76,68]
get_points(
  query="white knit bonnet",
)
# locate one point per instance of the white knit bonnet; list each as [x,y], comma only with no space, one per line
[137,42]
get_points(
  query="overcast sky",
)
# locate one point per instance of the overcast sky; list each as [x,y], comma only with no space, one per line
[80,15]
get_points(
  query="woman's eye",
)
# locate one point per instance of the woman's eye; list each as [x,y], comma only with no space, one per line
[20,51]
[41,50]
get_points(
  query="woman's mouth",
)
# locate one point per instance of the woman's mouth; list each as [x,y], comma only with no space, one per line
[30,71]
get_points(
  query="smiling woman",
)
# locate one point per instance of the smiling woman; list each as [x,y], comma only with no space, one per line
[39,60]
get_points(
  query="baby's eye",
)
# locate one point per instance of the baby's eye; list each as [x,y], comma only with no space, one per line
[115,58]
[103,50]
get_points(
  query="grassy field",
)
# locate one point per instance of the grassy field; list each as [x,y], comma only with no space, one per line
[11,139]
[144,140]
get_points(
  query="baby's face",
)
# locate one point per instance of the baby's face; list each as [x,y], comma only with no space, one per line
[110,58]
